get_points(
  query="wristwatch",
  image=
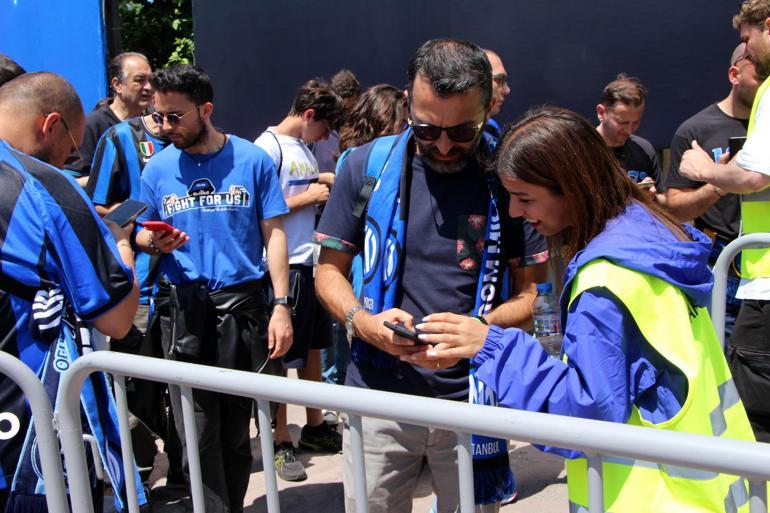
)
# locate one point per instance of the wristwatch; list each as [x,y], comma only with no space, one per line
[285,301]
[349,331]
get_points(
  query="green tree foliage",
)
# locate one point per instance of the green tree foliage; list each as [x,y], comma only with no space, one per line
[160,29]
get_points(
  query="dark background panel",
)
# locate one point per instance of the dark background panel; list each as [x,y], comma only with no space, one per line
[559,52]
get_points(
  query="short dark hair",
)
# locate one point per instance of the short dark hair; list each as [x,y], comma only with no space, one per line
[624,89]
[452,67]
[115,66]
[346,84]
[318,95]
[184,78]
[9,69]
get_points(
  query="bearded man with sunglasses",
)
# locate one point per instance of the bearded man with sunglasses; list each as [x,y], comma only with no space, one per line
[224,192]
[433,238]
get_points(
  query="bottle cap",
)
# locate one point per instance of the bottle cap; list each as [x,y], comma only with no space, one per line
[544,288]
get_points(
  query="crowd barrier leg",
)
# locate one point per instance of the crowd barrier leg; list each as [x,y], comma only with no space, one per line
[721,269]
[465,473]
[43,421]
[126,447]
[71,436]
[757,496]
[356,433]
[268,455]
[192,448]
[98,465]
[595,484]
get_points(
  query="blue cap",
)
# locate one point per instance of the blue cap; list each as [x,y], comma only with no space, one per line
[544,288]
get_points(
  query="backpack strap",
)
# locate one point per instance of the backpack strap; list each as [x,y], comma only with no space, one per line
[376,160]
[280,152]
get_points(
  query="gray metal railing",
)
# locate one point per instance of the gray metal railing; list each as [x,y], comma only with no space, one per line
[43,420]
[597,439]
[721,270]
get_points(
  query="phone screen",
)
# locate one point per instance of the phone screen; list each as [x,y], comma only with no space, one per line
[127,212]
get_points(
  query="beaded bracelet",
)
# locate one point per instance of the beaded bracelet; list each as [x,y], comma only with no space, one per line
[155,249]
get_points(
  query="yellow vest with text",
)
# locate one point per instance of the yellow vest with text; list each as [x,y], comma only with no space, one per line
[685,337]
[755,212]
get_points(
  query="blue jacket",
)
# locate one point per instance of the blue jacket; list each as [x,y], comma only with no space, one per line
[610,366]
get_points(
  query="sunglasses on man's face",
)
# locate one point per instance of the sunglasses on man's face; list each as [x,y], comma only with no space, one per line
[173,119]
[459,133]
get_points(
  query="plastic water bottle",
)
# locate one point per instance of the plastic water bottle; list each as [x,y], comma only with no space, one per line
[547,320]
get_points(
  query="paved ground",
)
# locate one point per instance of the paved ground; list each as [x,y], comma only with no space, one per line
[541,479]
[541,482]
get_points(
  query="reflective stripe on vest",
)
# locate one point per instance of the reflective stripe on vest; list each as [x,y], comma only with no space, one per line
[755,211]
[684,336]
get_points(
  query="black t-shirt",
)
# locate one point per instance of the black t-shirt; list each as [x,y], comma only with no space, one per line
[443,245]
[712,128]
[638,157]
[97,123]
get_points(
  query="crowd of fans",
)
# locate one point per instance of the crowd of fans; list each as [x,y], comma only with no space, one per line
[413,207]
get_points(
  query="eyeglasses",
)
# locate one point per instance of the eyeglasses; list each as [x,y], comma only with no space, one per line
[501,79]
[460,133]
[75,146]
[173,119]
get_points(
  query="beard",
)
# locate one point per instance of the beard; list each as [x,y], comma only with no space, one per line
[463,156]
[192,139]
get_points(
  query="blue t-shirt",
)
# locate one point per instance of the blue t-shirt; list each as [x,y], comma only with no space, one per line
[119,159]
[219,200]
[447,216]
[50,237]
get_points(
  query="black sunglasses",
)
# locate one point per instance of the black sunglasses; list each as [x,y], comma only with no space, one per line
[460,133]
[173,119]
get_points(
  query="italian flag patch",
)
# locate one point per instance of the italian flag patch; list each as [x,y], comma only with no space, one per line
[147,148]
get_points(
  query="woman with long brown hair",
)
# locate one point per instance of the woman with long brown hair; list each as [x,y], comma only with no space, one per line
[381,110]
[639,347]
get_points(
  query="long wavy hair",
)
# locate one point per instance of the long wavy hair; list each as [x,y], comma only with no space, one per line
[379,112]
[560,150]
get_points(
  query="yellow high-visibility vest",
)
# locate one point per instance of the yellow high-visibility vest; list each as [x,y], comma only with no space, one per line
[685,337]
[755,212]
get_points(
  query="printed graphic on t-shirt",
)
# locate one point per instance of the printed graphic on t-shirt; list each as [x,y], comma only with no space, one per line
[637,176]
[470,241]
[302,173]
[202,195]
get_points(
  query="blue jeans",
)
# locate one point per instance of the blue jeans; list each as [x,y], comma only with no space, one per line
[334,359]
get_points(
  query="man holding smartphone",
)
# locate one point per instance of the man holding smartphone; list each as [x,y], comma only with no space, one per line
[446,233]
[53,245]
[223,191]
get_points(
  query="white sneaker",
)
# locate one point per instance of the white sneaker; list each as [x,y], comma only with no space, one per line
[330,417]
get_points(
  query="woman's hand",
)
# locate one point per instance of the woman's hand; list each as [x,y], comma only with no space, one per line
[451,337]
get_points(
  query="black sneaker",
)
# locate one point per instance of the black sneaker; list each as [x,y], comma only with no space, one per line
[287,466]
[320,438]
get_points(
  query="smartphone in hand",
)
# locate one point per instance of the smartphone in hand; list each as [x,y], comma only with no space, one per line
[402,331]
[126,212]
[157,226]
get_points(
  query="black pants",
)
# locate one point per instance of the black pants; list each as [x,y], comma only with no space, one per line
[749,357]
[231,326]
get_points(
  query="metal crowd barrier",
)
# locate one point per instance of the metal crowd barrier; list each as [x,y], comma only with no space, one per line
[43,420]
[596,439]
[721,269]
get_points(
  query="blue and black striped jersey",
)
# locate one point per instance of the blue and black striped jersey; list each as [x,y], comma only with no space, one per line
[50,236]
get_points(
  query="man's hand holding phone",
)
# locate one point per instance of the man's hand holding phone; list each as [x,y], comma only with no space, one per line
[372,329]
[159,237]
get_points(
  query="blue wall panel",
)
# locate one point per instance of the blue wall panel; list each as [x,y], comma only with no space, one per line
[63,36]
